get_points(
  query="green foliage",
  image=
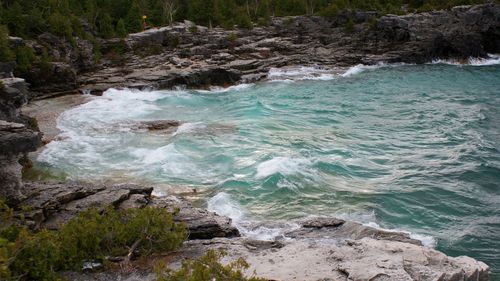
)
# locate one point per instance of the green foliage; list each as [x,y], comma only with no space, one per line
[174,41]
[44,63]
[91,236]
[60,25]
[133,18]
[232,38]
[5,52]
[349,26]
[106,29]
[207,268]
[24,58]
[30,18]
[121,30]
[193,28]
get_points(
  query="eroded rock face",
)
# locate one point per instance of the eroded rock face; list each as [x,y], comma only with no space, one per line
[56,203]
[221,57]
[16,139]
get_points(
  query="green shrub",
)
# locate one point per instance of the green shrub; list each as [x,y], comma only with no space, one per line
[207,268]
[244,21]
[60,25]
[24,58]
[91,236]
[121,30]
[5,51]
[193,28]
[44,63]
[349,26]
[106,28]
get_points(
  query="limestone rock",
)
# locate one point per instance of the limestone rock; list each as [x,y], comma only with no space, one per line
[201,223]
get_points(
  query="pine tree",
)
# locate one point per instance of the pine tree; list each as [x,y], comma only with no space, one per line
[133,21]
[106,29]
[121,31]
[5,52]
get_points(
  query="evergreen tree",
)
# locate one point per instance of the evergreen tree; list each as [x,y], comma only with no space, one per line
[5,52]
[121,30]
[133,21]
[106,29]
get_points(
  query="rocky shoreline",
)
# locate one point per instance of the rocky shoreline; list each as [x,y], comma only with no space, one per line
[178,56]
[187,55]
[320,249]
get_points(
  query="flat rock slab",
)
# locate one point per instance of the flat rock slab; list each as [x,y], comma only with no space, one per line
[53,204]
[331,259]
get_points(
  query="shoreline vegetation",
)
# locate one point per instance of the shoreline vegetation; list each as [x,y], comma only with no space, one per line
[70,46]
[94,21]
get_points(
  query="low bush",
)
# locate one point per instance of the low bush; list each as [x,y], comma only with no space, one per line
[207,268]
[92,236]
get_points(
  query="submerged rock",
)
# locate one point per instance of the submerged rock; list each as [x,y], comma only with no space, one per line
[335,228]
[158,125]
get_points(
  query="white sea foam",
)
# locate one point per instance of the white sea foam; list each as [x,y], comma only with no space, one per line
[238,87]
[493,59]
[223,204]
[282,165]
[189,128]
[357,69]
[369,219]
[426,240]
[290,74]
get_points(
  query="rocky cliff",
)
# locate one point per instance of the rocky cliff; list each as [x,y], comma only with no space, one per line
[199,57]
[18,136]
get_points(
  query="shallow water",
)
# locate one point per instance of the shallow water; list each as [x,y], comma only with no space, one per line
[414,148]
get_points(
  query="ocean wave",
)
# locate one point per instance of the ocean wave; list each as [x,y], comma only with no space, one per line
[357,69]
[224,205]
[492,59]
[283,165]
[218,89]
[290,74]
[426,240]
[189,128]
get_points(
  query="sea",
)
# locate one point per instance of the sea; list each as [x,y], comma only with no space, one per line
[413,148]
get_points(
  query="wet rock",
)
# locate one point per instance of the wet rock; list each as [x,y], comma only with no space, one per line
[201,223]
[323,222]
[157,125]
[335,228]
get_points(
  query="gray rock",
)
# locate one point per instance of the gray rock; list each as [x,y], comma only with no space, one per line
[323,222]
[335,228]
[201,223]
[332,259]
[158,125]
[53,204]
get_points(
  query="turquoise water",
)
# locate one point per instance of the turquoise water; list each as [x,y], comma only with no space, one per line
[413,148]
